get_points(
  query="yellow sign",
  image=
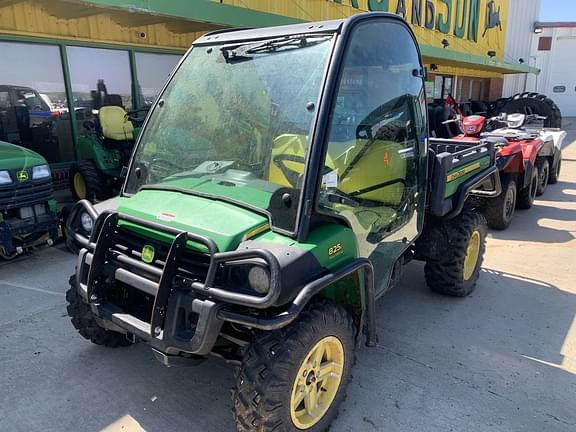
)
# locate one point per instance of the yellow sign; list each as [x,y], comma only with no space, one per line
[467,26]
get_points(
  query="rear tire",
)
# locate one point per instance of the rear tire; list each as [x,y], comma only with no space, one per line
[535,103]
[543,176]
[527,195]
[281,368]
[555,171]
[83,321]
[86,181]
[456,272]
[500,211]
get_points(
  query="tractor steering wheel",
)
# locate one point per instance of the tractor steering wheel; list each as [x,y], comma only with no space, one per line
[139,120]
[291,175]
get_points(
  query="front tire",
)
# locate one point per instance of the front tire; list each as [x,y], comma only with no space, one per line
[83,321]
[500,211]
[457,270]
[294,379]
[543,176]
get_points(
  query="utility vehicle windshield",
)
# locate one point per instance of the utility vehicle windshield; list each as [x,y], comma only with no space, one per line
[233,124]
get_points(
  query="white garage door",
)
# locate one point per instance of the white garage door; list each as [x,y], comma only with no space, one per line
[563,77]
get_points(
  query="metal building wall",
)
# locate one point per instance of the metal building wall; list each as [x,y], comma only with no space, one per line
[557,79]
[519,40]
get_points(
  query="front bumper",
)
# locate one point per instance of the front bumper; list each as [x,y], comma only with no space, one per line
[184,313]
[187,316]
[18,233]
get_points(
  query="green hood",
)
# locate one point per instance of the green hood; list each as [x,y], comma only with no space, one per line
[224,223]
[16,157]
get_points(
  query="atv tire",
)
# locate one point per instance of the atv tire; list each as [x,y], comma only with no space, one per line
[456,272]
[279,377]
[86,181]
[535,103]
[83,321]
[555,172]
[500,211]
[527,195]
[543,176]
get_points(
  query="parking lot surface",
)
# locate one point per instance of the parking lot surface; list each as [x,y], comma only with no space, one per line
[502,360]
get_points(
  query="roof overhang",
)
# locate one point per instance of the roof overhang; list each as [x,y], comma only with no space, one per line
[199,10]
[458,59]
[556,24]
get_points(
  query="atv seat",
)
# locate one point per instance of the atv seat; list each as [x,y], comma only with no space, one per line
[115,124]
[496,140]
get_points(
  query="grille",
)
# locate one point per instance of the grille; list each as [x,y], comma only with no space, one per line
[193,265]
[26,193]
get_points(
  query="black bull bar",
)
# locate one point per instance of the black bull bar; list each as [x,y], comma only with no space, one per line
[99,265]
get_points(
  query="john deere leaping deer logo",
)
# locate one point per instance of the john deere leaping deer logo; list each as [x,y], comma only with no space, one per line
[492,17]
[22,176]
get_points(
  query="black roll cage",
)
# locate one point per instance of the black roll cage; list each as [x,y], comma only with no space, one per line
[317,147]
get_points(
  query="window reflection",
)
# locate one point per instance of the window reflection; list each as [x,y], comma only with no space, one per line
[152,71]
[33,105]
[100,77]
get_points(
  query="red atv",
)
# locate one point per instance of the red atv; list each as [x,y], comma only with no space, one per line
[528,159]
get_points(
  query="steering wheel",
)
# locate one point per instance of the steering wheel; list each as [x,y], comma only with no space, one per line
[292,175]
[132,118]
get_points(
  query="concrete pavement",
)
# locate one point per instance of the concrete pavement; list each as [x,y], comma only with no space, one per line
[501,360]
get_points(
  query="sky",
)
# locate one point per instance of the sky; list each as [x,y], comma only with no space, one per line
[557,10]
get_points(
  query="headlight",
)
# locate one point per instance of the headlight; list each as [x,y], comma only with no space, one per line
[259,279]
[86,222]
[40,172]
[5,178]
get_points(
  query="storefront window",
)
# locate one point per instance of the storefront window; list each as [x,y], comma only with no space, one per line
[100,77]
[33,105]
[442,87]
[152,71]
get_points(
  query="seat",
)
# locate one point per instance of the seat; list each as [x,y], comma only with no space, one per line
[115,124]
[372,170]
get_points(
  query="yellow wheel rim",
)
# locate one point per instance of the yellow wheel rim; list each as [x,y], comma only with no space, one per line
[472,254]
[79,186]
[317,382]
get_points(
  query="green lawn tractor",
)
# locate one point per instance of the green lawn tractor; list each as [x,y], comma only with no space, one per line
[280,184]
[28,211]
[104,147]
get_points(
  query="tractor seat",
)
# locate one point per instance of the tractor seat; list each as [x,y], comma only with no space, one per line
[115,124]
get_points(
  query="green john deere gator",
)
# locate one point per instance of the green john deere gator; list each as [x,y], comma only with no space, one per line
[28,211]
[280,184]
